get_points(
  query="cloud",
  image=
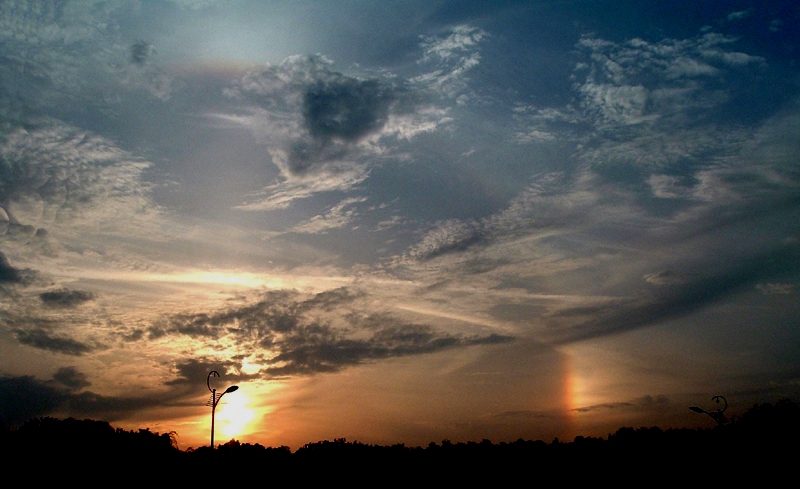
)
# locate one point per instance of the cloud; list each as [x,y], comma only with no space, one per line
[722,280]
[140,52]
[551,204]
[281,194]
[65,298]
[74,56]
[642,82]
[194,373]
[739,15]
[337,217]
[324,129]
[289,333]
[345,108]
[451,55]
[776,288]
[9,274]
[314,119]
[667,277]
[637,98]
[53,174]
[315,348]
[43,340]
[25,397]
[638,404]
[448,237]
[71,378]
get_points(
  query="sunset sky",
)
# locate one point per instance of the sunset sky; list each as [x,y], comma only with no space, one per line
[398,222]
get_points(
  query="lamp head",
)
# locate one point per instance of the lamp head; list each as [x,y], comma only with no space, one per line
[231,388]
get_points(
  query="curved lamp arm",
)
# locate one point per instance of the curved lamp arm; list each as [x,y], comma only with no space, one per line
[208,379]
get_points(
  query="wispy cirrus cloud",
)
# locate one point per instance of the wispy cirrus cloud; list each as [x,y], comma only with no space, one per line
[337,217]
[451,55]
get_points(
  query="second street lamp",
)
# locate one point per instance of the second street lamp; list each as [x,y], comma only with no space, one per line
[215,400]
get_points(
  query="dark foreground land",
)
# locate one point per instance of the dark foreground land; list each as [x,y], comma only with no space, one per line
[762,446]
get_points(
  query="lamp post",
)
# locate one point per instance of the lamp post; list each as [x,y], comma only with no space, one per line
[716,416]
[215,400]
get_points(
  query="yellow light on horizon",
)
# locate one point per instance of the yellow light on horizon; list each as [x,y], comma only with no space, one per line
[234,416]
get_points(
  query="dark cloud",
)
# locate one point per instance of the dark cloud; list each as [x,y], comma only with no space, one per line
[330,299]
[524,415]
[337,112]
[65,297]
[25,397]
[22,398]
[71,378]
[316,348]
[304,155]
[345,108]
[641,403]
[317,116]
[39,338]
[195,372]
[140,52]
[8,274]
[295,335]
[732,277]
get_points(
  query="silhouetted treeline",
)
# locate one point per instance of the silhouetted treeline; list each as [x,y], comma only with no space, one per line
[763,441]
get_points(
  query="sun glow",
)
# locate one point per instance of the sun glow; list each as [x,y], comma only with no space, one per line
[234,416]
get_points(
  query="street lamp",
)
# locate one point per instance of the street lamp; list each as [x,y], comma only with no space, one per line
[215,400]
[716,416]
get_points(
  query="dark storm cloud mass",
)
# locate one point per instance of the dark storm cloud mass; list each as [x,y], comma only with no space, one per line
[25,397]
[65,297]
[294,335]
[22,398]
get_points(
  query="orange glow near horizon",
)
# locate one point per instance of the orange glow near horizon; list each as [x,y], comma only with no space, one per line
[572,397]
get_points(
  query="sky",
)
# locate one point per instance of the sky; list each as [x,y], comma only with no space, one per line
[398,222]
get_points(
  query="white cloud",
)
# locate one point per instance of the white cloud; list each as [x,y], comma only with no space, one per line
[451,56]
[338,216]
[59,176]
[776,288]
[282,193]
[461,39]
